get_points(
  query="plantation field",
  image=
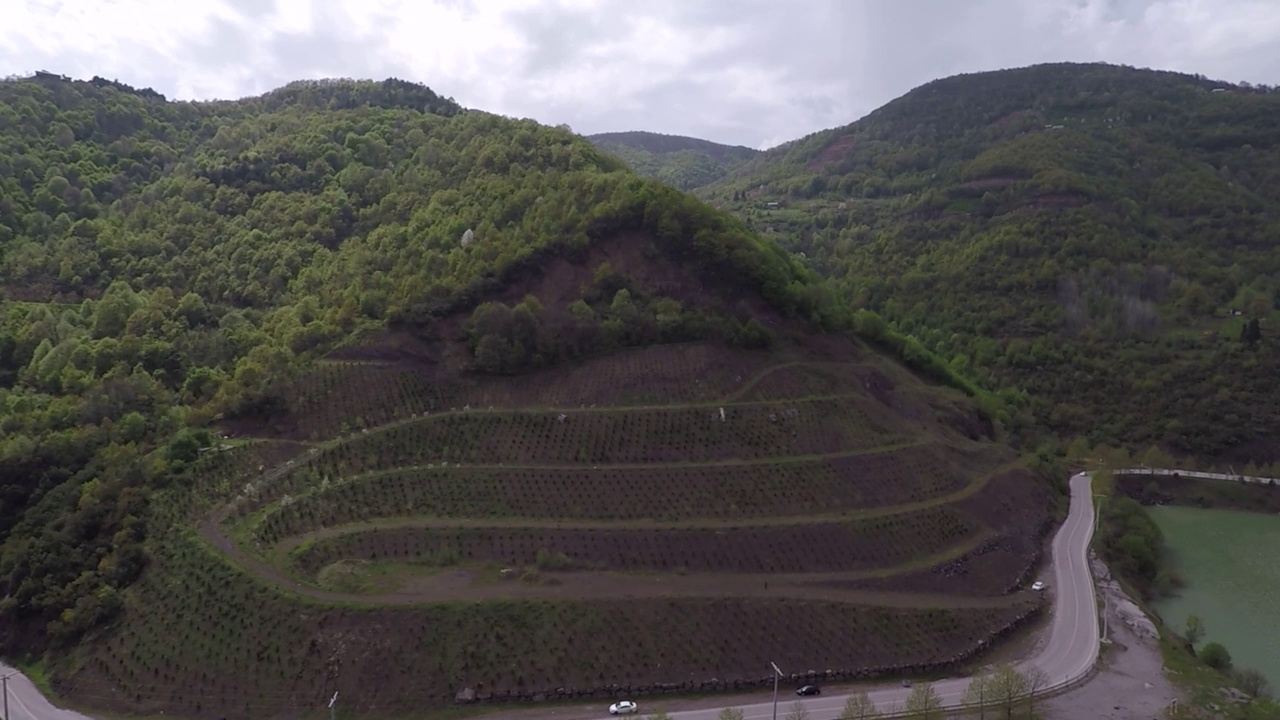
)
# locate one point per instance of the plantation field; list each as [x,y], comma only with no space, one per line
[342,396]
[777,465]
[877,542]
[617,436]
[499,533]
[246,649]
[858,482]
[1018,511]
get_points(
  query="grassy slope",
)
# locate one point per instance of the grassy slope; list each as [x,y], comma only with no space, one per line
[1079,232]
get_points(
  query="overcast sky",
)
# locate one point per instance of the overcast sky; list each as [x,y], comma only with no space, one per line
[749,72]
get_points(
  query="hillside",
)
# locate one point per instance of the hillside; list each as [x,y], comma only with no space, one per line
[1100,238]
[345,388]
[683,162]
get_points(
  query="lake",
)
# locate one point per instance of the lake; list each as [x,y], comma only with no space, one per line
[1231,564]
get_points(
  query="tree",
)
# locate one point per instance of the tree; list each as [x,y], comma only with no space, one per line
[1216,656]
[977,695]
[731,713]
[924,702]
[1008,689]
[1156,458]
[1251,681]
[1251,333]
[859,707]
[798,711]
[1194,631]
[1037,680]
[1078,450]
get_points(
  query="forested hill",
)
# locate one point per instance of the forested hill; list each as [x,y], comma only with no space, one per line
[682,162]
[1102,237]
[164,263]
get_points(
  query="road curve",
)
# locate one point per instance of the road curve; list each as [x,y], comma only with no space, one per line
[1069,654]
[27,703]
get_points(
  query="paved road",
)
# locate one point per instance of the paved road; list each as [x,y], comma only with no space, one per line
[26,702]
[1069,654]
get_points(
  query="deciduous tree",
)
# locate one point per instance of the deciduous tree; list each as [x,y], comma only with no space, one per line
[977,695]
[1193,630]
[798,711]
[923,702]
[859,707]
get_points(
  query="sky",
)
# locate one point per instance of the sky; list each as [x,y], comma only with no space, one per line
[742,72]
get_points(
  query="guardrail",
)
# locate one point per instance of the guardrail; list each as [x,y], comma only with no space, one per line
[1253,479]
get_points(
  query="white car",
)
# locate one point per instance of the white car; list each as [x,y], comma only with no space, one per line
[626,707]
[1037,586]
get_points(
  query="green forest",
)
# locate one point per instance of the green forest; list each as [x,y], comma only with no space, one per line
[684,163]
[167,264]
[1099,241]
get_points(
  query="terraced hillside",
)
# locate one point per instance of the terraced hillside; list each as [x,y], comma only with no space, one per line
[499,538]
[503,420]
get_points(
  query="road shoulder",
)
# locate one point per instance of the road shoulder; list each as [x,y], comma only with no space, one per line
[1130,681]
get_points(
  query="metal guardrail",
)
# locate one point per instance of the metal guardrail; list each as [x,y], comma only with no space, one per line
[1165,472]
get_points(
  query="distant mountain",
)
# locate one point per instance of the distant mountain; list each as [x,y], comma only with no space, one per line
[682,162]
[1103,238]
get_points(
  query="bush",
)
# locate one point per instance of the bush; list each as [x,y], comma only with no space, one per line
[1216,656]
[1251,681]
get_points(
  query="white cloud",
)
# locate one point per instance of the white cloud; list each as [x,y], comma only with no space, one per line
[749,72]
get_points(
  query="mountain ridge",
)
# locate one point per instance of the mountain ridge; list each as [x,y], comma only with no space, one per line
[1031,224]
[680,161]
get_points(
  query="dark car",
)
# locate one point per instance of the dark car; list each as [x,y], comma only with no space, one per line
[809,690]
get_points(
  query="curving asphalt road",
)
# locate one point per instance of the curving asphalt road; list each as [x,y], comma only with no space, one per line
[26,702]
[1068,656]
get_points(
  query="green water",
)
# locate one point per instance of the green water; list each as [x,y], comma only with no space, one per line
[1231,564]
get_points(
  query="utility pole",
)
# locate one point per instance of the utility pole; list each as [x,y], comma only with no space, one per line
[4,690]
[776,674]
[333,701]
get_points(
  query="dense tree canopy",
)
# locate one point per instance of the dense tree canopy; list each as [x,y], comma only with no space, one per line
[682,162]
[163,263]
[1099,237]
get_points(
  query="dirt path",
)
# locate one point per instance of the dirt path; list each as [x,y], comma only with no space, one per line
[472,584]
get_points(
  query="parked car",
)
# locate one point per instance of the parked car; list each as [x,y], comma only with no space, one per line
[809,690]
[625,707]
[906,682]
[1037,586]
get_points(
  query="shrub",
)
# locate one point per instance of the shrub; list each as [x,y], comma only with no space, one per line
[1216,656]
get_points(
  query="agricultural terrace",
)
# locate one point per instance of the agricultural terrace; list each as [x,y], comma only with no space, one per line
[719,491]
